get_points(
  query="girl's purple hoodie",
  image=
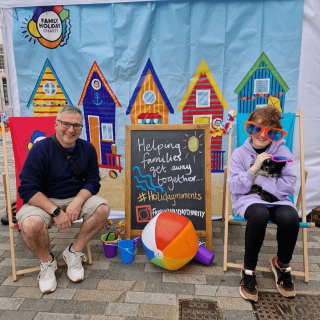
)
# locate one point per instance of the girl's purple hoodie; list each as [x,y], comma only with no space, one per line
[241,180]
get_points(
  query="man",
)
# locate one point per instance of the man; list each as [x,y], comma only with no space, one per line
[52,192]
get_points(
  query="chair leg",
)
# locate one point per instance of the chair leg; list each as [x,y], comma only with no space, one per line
[225,245]
[226,221]
[305,255]
[13,257]
[89,253]
[9,212]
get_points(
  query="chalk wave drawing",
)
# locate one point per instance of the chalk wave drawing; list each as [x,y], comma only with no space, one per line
[147,180]
[141,187]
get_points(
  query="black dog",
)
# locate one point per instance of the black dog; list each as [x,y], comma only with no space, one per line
[264,195]
[271,169]
[268,169]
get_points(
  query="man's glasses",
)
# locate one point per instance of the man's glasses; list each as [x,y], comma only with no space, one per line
[272,134]
[67,125]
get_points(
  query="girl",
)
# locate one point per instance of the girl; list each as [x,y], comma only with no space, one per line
[265,141]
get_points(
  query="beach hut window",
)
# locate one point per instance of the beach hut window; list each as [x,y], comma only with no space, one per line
[203,98]
[107,132]
[261,85]
[49,88]
[149,97]
[96,84]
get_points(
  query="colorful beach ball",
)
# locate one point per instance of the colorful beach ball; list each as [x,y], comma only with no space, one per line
[113,174]
[169,240]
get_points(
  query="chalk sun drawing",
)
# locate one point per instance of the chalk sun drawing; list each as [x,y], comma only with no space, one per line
[193,144]
[147,180]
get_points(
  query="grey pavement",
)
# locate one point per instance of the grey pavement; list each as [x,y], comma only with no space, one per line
[141,290]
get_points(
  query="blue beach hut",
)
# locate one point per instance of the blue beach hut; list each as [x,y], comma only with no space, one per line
[261,86]
[99,107]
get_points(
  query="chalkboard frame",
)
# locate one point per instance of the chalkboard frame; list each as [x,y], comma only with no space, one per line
[207,233]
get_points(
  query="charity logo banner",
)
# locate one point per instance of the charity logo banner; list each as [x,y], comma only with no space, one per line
[50,25]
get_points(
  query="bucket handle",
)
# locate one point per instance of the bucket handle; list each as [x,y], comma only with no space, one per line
[201,243]
[127,249]
[110,244]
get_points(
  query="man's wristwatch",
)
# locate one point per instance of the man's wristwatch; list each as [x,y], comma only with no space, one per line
[55,212]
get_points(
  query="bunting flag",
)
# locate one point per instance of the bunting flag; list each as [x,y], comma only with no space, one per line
[266,96]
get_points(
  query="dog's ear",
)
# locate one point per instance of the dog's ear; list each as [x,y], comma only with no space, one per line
[282,164]
[268,161]
[279,167]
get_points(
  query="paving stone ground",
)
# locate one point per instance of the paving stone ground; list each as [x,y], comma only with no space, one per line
[116,291]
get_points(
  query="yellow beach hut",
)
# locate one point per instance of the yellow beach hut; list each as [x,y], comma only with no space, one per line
[48,96]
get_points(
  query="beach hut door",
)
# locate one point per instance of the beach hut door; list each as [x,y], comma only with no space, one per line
[95,135]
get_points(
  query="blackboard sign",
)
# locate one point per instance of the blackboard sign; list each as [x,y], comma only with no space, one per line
[168,169]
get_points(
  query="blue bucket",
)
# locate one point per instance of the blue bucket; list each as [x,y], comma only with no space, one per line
[127,251]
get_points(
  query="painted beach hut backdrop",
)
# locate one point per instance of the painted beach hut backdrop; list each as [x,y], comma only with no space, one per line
[262,85]
[99,108]
[48,95]
[149,103]
[203,102]
[124,35]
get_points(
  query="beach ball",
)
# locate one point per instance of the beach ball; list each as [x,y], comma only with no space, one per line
[169,240]
[113,174]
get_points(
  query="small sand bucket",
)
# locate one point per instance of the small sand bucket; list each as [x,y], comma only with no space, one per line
[127,251]
[204,255]
[109,247]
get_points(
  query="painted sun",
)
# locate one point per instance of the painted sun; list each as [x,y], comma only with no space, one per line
[193,144]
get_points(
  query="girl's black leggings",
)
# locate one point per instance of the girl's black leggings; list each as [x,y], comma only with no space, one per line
[258,215]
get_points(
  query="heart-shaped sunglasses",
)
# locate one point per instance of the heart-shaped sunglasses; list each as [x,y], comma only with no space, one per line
[272,134]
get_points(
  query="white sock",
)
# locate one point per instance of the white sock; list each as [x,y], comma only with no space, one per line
[72,250]
[49,260]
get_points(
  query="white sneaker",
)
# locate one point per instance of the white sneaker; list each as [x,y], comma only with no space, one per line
[47,277]
[74,263]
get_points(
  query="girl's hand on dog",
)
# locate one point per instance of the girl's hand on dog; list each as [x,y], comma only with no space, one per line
[258,163]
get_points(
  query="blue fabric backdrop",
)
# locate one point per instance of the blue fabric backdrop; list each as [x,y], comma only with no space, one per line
[176,35]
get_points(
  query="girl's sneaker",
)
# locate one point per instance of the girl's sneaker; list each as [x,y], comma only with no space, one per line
[248,285]
[284,282]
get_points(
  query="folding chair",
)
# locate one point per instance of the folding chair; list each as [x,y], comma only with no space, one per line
[36,123]
[288,125]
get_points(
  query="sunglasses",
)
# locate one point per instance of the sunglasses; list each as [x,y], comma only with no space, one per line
[272,134]
[280,159]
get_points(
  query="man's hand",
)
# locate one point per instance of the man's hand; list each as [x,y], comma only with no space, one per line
[74,209]
[62,220]
[258,163]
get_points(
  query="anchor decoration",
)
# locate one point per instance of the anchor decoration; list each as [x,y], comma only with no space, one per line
[97,98]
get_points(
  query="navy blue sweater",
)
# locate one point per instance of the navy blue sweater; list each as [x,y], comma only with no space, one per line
[46,169]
